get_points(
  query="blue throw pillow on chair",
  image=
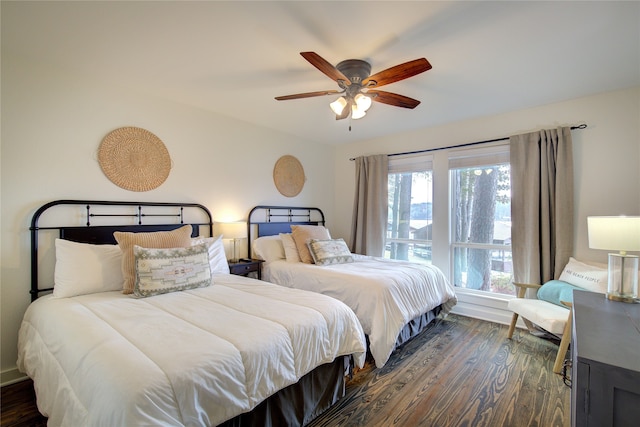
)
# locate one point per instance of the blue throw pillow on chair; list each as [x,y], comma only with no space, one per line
[555,291]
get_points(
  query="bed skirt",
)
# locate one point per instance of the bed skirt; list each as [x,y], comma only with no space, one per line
[299,403]
[417,325]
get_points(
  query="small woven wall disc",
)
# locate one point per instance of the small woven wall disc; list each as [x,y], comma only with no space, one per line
[134,159]
[288,175]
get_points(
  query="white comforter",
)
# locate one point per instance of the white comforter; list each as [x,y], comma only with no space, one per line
[385,294]
[196,357]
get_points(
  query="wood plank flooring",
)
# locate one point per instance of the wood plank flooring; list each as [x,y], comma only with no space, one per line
[460,372]
[19,406]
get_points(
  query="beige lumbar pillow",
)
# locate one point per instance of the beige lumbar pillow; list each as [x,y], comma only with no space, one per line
[178,238]
[302,235]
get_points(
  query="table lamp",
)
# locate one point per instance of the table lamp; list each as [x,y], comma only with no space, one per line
[236,231]
[621,233]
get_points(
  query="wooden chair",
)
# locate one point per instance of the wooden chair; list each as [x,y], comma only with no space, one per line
[537,314]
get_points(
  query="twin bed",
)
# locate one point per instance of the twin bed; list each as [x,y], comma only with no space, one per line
[223,350]
[393,300]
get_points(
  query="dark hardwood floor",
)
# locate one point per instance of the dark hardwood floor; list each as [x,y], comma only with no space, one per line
[19,406]
[460,372]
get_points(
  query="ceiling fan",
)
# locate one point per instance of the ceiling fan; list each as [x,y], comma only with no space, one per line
[358,87]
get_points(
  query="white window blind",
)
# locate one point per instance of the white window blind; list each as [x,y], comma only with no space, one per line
[410,163]
[493,155]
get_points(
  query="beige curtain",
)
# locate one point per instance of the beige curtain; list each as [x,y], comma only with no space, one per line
[369,223]
[541,204]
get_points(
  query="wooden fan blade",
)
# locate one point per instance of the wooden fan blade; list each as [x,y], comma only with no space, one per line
[323,65]
[307,95]
[397,73]
[393,99]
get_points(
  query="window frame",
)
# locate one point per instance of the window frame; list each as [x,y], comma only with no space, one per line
[477,304]
[494,155]
[412,163]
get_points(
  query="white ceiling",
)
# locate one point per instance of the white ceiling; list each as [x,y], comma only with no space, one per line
[233,58]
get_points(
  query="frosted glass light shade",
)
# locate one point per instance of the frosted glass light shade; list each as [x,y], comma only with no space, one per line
[357,113]
[338,105]
[363,102]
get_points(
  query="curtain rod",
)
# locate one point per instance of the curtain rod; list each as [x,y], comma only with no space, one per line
[582,126]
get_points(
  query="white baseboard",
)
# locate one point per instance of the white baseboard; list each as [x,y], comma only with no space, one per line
[11,376]
[489,309]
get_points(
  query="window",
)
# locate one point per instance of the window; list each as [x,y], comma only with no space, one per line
[481,220]
[472,238]
[409,230]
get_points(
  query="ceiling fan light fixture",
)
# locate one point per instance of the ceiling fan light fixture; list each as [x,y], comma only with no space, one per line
[363,102]
[357,112]
[359,87]
[338,105]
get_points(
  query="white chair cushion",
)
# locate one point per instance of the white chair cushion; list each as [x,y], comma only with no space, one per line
[550,317]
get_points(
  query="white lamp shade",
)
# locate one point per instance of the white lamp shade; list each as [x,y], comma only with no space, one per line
[233,230]
[620,233]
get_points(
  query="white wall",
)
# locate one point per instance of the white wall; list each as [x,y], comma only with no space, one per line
[606,162]
[52,125]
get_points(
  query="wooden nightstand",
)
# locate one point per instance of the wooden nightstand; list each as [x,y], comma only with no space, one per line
[245,266]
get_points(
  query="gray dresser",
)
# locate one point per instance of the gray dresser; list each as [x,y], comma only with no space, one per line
[605,349]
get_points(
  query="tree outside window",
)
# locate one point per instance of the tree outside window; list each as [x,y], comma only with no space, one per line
[410,216]
[482,228]
[479,224]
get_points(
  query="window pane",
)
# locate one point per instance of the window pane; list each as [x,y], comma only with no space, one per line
[415,252]
[410,216]
[482,228]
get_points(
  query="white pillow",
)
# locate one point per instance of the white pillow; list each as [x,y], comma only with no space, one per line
[268,248]
[82,268]
[217,255]
[585,276]
[290,248]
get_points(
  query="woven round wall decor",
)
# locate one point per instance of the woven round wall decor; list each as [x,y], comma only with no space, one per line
[288,175]
[134,159]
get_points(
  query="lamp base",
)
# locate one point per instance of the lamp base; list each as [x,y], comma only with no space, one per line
[622,298]
[234,253]
[623,278]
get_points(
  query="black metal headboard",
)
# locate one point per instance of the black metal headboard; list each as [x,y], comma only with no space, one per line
[271,220]
[129,215]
